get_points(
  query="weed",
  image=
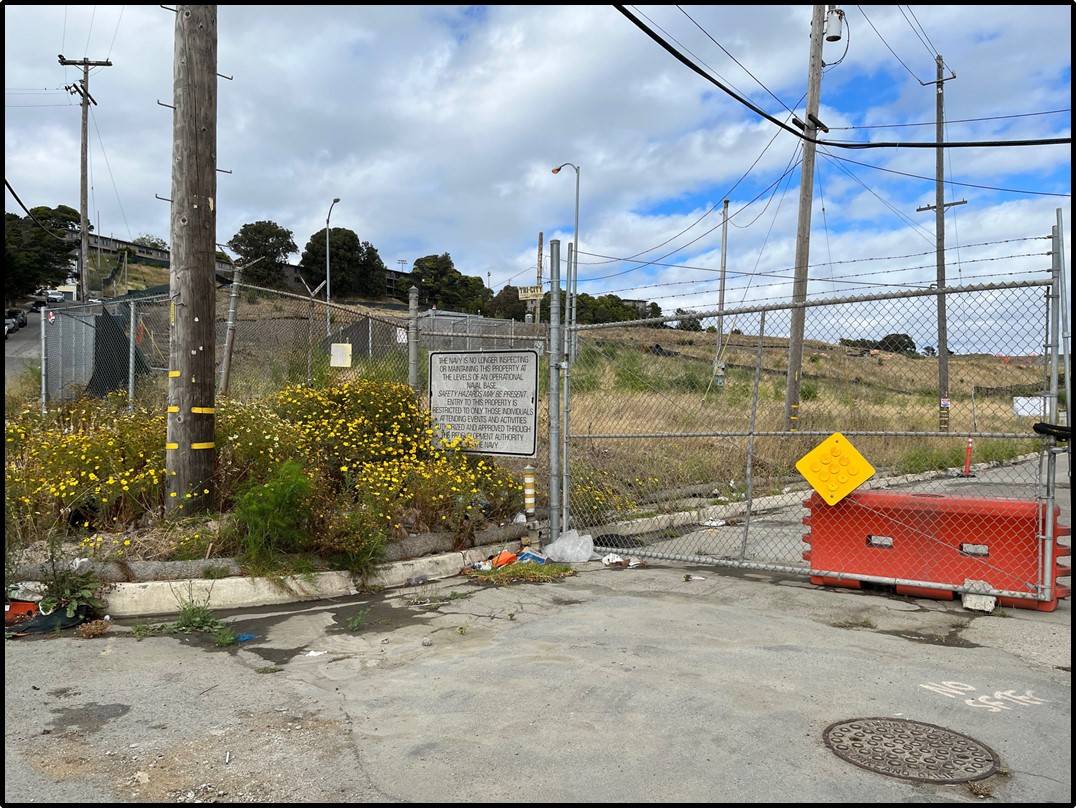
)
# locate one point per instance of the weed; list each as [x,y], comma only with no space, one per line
[522,573]
[195,617]
[94,628]
[268,669]
[275,517]
[215,572]
[855,622]
[461,630]
[357,620]
[224,637]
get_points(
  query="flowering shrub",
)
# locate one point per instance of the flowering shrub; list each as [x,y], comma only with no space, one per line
[376,463]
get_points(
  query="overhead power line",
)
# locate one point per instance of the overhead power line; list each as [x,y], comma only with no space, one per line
[951,182]
[837,144]
[953,120]
[31,215]
[888,46]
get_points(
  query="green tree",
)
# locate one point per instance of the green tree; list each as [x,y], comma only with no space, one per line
[357,269]
[897,343]
[687,322]
[270,243]
[38,255]
[150,240]
[507,305]
[440,284]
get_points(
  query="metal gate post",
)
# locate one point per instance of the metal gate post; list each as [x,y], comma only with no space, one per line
[565,491]
[554,390]
[44,364]
[60,337]
[229,339]
[131,358]
[749,479]
[1047,584]
[412,338]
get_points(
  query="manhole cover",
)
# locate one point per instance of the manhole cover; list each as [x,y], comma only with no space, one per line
[911,750]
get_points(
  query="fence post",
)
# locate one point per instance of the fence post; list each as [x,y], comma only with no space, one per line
[749,479]
[565,490]
[60,353]
[369,337]
[310,344]
[554,390]
[229,339]
[44,364]
[131,358]
[412,337]
[1047,583]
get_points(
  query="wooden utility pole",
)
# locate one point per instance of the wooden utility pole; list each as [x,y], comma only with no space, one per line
[82,88]
[939,207]
[190,449]
[803,225]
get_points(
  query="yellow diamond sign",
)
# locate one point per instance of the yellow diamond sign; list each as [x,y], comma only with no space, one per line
[834,468]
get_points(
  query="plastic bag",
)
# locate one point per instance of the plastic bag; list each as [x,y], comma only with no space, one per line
[570,547]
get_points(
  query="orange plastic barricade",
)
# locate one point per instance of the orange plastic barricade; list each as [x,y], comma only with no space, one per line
[934,538]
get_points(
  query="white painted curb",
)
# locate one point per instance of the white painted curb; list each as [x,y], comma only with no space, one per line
[166,597]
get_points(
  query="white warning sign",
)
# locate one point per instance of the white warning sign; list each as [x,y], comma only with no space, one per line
[490,395]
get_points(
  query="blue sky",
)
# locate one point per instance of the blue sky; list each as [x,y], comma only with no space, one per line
[437,126]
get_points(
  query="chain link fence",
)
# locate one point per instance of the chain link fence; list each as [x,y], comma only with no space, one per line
[679,447]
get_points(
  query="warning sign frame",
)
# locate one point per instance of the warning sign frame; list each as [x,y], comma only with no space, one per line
[531,380]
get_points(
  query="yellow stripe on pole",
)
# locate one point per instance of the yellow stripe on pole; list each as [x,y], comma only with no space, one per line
[173,408]
[173,374]
[203,410]
[209,445]
[171,446]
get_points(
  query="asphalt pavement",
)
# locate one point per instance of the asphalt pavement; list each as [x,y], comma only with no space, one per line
[22,349]
[614,685]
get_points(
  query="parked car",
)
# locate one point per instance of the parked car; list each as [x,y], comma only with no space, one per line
[38,305]
[54,297]
[9,326]
[18,315]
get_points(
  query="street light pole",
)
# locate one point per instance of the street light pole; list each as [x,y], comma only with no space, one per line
[569,343]
[328,276]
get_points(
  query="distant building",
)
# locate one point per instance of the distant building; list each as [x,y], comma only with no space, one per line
[640,306]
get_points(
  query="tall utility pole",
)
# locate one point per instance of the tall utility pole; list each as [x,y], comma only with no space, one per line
[190,448]
[803,224]
[939,207]
[82,88]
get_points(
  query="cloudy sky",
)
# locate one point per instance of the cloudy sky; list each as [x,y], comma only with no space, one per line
[438,127]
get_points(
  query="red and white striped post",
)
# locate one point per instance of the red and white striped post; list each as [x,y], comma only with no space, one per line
[967,459]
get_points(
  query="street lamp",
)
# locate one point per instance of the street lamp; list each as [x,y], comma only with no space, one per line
[569,348]
[328,277]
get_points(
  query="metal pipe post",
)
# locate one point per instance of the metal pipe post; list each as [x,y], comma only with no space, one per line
[44,364]
[229,339]
[131,357]
[749,478]
[565,490]
[555,355]
[412,338]
[1064,303]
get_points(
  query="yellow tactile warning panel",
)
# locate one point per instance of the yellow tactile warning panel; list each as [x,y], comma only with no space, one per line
[834,468]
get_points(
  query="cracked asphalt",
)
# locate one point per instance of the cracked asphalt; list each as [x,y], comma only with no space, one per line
[609,686]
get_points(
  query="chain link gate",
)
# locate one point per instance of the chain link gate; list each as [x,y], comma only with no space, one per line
[679,449]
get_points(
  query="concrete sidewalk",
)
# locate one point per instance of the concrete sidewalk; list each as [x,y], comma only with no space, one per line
[610,686]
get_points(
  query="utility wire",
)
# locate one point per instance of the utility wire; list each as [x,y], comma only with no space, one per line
[951,182]
[115,33]
[93,16]
[954,120]
[28,213]
[643,264]
[851,260]
[108,164]
[900,214]
[782,272]
[837,144]
[737,61]
[931,53]
[930,41]
[956,232]
[879,33]
[724,196]
[795,152]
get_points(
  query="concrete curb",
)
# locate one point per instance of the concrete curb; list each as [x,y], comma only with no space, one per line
[154,598]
